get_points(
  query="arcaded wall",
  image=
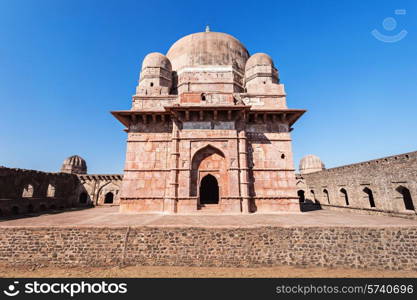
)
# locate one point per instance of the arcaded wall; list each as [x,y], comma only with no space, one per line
[102,189]
[382,186]
[353,247]
[29,191]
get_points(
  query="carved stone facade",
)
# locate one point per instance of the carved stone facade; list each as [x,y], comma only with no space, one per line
[216,137]
[386,186]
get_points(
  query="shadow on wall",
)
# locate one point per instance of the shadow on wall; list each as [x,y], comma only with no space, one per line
[26,193]
[307,204]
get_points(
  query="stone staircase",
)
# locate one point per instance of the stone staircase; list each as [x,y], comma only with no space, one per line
[209,208]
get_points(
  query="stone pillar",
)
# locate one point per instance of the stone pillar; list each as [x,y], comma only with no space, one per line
[170,201]
[243,171]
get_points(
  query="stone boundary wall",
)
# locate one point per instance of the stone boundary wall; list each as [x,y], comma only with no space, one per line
[351,247]
[30,191]
[27,192]
[392,182]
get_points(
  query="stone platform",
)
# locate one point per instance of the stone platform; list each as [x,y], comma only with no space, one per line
[103,237]
[110,216]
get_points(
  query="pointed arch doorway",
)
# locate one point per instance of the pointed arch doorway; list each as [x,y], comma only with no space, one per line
[209,178]
[209,190]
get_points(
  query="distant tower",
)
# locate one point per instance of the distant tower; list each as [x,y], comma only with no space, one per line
[310,164]
[74,165]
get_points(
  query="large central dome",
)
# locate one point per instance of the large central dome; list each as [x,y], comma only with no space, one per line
[207,48]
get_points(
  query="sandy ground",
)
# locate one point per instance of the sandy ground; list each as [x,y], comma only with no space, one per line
[110,216]
[197,272]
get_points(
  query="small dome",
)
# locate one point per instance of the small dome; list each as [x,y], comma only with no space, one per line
[74,164]
[156,60]
[310,164]
[259,59]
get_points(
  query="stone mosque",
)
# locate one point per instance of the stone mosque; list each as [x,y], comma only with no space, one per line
[209,130]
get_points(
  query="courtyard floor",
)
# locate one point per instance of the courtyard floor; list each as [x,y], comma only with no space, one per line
[198,272]
[110,216]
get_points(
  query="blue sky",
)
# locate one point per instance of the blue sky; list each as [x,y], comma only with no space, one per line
[65,64]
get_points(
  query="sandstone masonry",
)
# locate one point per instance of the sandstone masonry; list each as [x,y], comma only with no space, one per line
[382,186]
[357,247]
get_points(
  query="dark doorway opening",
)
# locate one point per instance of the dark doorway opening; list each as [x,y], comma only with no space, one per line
[301,196]
[108,198]
[370,197]
[326,194]
[15,210]
[209,190]
[345,196]
[408,201]
[83,197]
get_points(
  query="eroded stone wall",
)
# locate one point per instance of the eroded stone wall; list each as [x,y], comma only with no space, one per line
[29,191]
[381,186]
[352,247]
[101,189]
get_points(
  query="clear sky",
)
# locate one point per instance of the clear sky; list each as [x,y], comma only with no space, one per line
[65,64]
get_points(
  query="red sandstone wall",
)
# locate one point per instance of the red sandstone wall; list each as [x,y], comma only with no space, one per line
[146,172]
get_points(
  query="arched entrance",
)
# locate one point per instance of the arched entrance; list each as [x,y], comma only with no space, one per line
[209,178]
[209,190]
[108,199]
[344,195]
[369,196]
[301,196]
[406,195]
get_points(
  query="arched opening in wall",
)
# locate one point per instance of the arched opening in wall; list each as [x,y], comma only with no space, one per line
[15,210]
[301,196]
[326,195]
[51,191]
[369,196]
[27,191]
[30,208]
[209,190]
[108,198]
[42,207]
[83,198]
[406,195]
[208,160]
[314,197]
[345,197]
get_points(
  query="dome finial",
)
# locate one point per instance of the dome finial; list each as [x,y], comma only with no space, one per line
[207,28]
